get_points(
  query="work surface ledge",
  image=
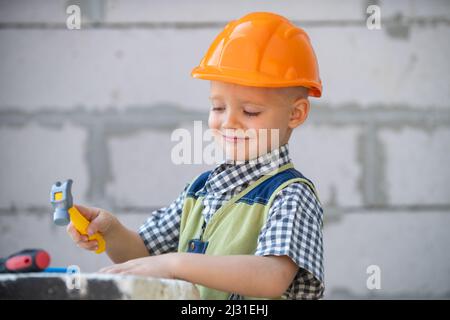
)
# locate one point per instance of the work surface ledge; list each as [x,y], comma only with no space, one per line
[47,286]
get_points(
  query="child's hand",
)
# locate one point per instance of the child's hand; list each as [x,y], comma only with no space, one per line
[160,266]
[100,221]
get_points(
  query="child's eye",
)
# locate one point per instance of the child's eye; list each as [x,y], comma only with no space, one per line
[251,114]
[218,109]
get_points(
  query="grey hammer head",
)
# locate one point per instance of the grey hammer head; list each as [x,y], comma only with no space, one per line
[61,200]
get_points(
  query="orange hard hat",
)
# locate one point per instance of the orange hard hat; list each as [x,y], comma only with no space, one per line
[262,49]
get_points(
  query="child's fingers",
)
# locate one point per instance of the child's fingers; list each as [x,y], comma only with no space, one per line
[89,213]
[99,223]
[89,245]
[75,235]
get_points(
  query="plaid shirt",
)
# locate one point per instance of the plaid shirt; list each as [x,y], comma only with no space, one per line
[293,227]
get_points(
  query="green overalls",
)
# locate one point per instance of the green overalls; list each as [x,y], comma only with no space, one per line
[235,226]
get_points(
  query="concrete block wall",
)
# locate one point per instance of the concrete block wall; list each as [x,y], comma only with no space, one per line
[98,105]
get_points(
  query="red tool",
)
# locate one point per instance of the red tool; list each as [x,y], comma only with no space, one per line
[28,260]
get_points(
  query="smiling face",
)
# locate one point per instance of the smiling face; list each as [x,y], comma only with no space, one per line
[250,121]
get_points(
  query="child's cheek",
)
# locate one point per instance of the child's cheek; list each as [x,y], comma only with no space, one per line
[213,121]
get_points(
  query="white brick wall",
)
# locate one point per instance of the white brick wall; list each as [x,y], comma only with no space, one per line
[408,248]
[34,157]
[328,156]
[417,167]
[124,11]
[135,67]
[98,105]
[144,174]
[385,70]
[144,67]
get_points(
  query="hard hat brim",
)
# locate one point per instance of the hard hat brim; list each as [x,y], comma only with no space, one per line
[253,79]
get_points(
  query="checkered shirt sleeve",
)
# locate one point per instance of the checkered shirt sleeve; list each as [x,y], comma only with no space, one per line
[294,228]
[161,231]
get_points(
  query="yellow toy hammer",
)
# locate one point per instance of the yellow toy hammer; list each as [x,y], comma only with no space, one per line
[62,201]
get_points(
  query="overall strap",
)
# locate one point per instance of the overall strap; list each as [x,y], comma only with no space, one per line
[223,209]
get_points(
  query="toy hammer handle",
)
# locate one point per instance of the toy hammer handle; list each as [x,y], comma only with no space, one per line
[81,224]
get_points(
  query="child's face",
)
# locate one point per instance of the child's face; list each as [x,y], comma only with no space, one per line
[239,112]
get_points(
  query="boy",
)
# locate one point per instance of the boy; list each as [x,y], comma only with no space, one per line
[252,226]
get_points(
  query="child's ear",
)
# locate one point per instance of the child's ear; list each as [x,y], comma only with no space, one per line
[299,112]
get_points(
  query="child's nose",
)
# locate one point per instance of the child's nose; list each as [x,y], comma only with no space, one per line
[231,121]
